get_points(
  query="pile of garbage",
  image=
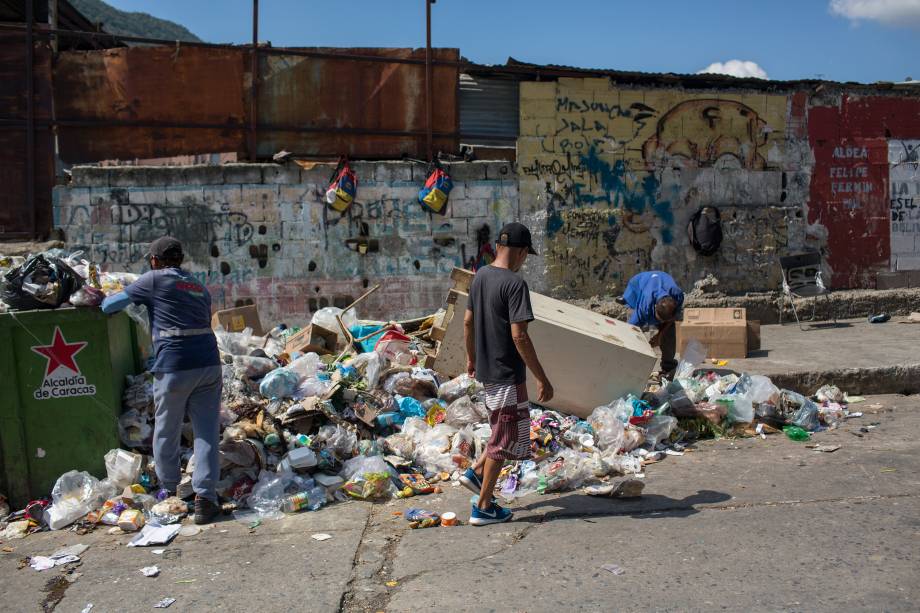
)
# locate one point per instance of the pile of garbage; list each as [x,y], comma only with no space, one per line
[362,417]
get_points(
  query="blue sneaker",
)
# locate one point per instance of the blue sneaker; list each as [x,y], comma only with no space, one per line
[471,481]
[495,515]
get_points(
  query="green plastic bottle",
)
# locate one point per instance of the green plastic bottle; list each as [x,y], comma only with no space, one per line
[796,433]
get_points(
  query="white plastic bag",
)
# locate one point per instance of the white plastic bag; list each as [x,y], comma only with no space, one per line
[279,383]
[464,385]
[74,495]
[694,353]
[608,426]
[370,364]
[325,318]
[123,467]
[268,494]
[463,411]
[252,367]
[658,429]
[305,366]
[338,439]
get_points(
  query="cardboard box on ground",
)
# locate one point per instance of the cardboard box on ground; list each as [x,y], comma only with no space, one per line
[238,319]
[725,333]
[589,358]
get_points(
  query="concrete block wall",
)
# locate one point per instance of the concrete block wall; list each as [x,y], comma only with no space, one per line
[260,233]
[610,176]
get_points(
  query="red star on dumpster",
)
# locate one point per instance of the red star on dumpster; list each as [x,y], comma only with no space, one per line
[60,353]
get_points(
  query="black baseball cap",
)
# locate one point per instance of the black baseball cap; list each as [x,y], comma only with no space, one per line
[163,247]
[516,234]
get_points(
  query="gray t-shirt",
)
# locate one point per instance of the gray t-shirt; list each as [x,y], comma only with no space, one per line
[498,298]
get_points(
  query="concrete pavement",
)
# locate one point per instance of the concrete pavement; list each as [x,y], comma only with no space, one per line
[736,524]
[858,357]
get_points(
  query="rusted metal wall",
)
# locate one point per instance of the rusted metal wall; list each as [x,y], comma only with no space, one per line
[15,213]
[143,91]
[141,102]
[381,105]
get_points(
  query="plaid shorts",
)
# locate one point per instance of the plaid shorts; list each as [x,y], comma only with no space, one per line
[510,421]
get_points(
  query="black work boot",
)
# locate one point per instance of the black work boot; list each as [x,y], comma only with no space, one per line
[205,510]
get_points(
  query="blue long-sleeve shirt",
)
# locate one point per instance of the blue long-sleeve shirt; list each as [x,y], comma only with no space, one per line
[645,290]
[115,302]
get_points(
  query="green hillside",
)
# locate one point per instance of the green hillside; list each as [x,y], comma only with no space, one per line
[115,21]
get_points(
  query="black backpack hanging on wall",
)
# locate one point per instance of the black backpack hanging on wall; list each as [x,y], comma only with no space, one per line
[705,230]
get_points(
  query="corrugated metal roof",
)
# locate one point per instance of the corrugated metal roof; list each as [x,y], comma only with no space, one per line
[488,111]
[525,71]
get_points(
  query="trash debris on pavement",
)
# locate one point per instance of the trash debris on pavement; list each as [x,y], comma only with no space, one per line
[154,534]
[321,536]
[448,518]
[614,569]
[349,409]
[150,571]
[164,603]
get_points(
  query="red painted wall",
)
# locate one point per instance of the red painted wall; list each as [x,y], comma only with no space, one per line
[849,183]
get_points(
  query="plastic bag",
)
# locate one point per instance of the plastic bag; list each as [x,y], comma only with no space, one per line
[268,494]
[463,411]
[74,495]
[458,387]
[433,451]
[134,429]
[364,464]
[42,282]
[740,410]
[338,439]
[830,393]
[368,478]
[761,390]
[312,387]
[410,407]
[370,364]
[305,366]
[798,410]
[419,388]
[123,467]
[87,296]
[568,470]
[325,318]
[608,425]
[658,429]
[806,417]
[693,354]
[279,383]
[252,367]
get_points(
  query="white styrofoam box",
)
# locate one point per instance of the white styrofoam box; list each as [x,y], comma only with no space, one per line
[590,359]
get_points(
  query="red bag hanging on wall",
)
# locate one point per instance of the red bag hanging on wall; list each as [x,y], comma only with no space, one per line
[344,187]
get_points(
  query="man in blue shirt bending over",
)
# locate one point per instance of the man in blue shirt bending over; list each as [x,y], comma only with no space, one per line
[655,300]
[187,371]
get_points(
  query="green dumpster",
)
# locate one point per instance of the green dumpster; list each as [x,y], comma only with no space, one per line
[62,373]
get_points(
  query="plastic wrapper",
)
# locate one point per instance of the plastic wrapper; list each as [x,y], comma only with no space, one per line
[740,410]
[458,387]
[168,511]
[74,495]
[831,413]
[87,296]
[41,282]
[114,282]
[463,411]
[123,467]
[369,486]
[279,383]
[370,364]
[326,318]
[608,425]
[410,407]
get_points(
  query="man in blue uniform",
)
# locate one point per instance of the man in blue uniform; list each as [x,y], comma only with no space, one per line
[655,300]
[187,371]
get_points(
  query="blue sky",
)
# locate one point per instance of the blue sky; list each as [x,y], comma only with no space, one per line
[843,40]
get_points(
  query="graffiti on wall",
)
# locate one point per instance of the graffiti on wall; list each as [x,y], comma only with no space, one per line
[849,197]
[606,168]
[904,185]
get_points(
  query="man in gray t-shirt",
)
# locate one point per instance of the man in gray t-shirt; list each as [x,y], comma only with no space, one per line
[499,351]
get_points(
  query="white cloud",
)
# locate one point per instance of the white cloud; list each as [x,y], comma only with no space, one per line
[736,68]
[889,12]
